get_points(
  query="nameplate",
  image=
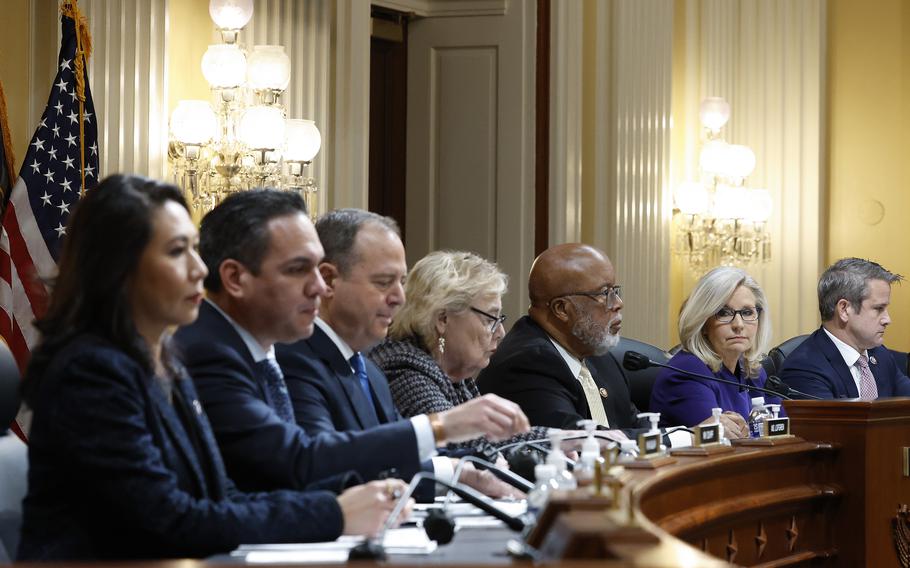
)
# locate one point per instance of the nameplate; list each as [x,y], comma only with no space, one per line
[649,445]
[706,435]
[777,427]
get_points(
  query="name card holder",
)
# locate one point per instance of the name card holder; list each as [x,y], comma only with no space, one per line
[650,455]
[706,441]
[775,432]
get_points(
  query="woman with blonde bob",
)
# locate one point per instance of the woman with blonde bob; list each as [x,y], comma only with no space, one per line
[444,335]
[724,331]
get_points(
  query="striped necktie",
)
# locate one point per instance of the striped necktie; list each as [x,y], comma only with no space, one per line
[592,395]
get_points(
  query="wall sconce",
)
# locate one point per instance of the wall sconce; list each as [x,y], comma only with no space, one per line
[719,220]
[240,140]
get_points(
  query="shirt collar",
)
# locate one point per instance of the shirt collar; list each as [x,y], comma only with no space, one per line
[255,349]
[573,363]
[341,344]
[849,354]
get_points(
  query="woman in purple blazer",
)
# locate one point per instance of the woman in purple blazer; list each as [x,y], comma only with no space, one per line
[724,331]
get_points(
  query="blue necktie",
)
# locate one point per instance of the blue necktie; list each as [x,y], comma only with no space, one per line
[276,388]
[360,370]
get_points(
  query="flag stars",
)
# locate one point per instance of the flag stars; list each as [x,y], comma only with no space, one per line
[94,148]
[59,107]
[36,167]
[64,207]
[43,123]
[65,64]
[38,144]
[65,184]
[69,162]
[89,171]
[62,85]
[61,230]
[52,153]
[46,199]
[71,140]
[56,130]
[86,117]
[74,118]
[73,94]
[49,175]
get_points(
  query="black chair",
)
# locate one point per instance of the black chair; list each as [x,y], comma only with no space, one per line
[901,360]
[13,459]
[640,382]
[781,352]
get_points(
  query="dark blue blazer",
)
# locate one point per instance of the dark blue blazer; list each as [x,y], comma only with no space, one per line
[116,473]
[326,394]
[528,370]
[260,450]
[817,368]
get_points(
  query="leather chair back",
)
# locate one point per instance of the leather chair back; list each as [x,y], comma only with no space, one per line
[781,352]
[640,382]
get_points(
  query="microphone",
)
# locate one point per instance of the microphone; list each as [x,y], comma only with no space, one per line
[439,527]
[776,384]
[634,361]
[510,477]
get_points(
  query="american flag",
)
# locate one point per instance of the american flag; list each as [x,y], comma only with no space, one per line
[63,152]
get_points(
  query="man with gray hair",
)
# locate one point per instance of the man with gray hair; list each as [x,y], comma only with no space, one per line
[845,357]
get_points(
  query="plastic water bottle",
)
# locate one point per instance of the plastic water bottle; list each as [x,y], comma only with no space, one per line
[590,456]
[757,417]
[558,459]
[716,412]
[545,476]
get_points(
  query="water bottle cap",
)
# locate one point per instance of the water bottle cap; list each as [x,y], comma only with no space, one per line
[758,401]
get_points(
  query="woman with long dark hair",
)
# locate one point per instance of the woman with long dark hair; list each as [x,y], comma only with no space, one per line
[123,464]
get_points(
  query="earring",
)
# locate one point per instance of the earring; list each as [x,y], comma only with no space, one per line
[442,345]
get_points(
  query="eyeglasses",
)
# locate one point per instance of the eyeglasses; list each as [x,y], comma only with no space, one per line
[496,321]
[607,297]
[727,315]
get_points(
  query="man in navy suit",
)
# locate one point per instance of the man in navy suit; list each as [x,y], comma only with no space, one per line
[845,357]
[333,386]
[264,286]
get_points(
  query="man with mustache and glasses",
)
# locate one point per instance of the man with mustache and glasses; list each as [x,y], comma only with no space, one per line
[549,361]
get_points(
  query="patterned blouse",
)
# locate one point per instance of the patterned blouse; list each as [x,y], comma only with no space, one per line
[419,386]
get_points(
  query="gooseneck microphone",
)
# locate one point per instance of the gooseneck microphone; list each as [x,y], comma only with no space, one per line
[441,528]
[510,477]
[634,361]
[776,384]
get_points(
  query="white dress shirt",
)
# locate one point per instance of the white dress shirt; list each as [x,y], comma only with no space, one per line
[850,356]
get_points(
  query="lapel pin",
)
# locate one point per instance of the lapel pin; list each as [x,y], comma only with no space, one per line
[603,392]
[197,406]
[872,360]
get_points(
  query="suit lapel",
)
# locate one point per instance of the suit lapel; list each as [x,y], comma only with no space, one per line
[349,383]
[381,394]
[211,446]
[178,433]
[832,354]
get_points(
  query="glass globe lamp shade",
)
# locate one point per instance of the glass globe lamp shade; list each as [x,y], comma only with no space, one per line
[760,205]
[262,128]
[731,202]
[692,198]
[224,66]
[231,14]
[303,140]
[713,156]
[714,112]
[740,162]
[193,122]
[268,67]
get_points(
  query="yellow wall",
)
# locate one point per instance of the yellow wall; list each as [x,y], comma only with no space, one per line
[189,35]
[869,131]
[14,63]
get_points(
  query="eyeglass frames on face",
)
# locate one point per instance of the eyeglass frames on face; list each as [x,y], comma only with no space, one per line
[496,321]
[607,297]
[727,315]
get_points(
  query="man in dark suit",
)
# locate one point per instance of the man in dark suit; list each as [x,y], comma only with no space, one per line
[333,387]
[551,361]
[845,357]
[264,286]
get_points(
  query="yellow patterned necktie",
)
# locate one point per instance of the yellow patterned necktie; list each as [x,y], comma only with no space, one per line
[595,404]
